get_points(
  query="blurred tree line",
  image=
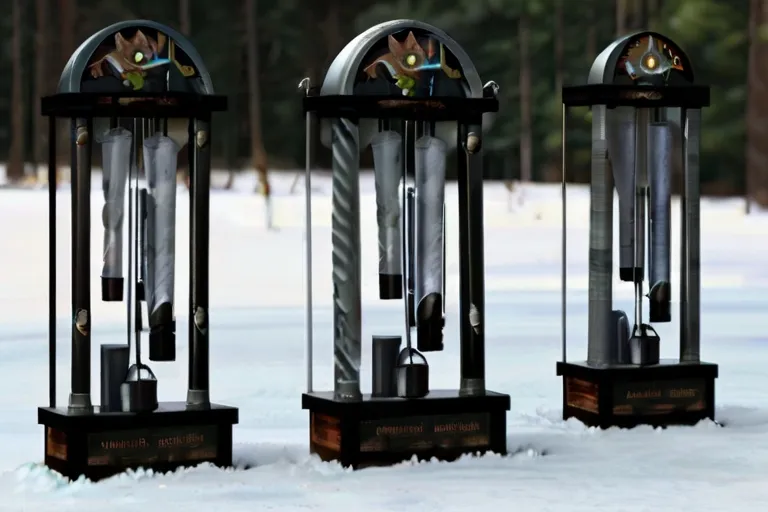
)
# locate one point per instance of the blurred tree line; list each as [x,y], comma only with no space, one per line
[258,50]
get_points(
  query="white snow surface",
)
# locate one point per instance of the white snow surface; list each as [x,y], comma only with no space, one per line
[257,351]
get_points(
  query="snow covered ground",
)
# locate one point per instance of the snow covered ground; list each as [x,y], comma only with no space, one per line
[257,364]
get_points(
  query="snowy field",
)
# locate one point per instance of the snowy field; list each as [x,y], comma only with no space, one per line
[257,364]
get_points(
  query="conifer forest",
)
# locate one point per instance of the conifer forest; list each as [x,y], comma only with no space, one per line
[257,52]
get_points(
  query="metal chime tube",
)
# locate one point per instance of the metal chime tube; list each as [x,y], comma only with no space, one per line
[116,160]
[621,149]
[80,396]
[345,243]
[690,289]
[387,146]
[198,393]
[601,347]
[160,156]
[660,180]
[430,160]
[642,116]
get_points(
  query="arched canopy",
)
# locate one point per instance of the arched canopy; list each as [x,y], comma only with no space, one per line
[403,57]
[643,58]
[138,55]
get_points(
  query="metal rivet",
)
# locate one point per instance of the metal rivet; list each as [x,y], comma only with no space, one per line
[201,138]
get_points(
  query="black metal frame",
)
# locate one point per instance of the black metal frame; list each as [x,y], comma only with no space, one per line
[467,112]
[86,106]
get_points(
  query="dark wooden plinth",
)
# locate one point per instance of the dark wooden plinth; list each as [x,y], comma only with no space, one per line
[102,444]
[669,393]
[385,431]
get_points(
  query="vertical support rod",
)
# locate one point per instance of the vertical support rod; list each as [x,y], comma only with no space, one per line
[199,240]
[80,395]
[471,263]
[52,261]
[690,243]
[308,318]
[563,242]
[345,246]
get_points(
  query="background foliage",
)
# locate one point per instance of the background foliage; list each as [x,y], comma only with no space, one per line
[529,47]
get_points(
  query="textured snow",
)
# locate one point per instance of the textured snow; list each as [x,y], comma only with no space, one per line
[257,364]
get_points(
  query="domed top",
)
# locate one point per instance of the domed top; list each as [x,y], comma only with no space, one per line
[136,56]
[403,58]
[643,58]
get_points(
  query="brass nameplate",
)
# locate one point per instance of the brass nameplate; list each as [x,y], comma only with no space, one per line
[146,446]
[421,433]
[659,397]
[55,443]
[325,431]
[581,394]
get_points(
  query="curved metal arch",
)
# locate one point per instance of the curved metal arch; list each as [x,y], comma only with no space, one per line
[340,78]
[604,66]
[71,77]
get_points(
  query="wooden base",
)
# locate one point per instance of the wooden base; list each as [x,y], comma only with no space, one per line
[101,444]
[668,393]
[385,431]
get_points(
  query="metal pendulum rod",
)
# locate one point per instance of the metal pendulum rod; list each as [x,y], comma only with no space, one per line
[132,173]
[409,224]
[52,262]
[406,200]
[134,246]
[305,84]
[639,198]
[563,242]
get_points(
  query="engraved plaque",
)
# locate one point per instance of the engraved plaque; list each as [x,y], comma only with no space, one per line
[421,433]
[146,446]
[658,397]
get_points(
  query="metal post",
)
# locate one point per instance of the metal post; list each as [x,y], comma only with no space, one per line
[471,262]
[199,233]
[690,289]
[345,244]
[80,395]
[308,311]
[564,249]
[52,261]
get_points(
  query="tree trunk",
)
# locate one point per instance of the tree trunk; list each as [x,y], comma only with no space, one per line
[185,26]
[526,143]
[332,31]
[757,107]
[258,153]
[559,81]
[621,18]
[15,171]
[185,17]
[42,81]
[559,48]
[592,32]
[639,21]
[68,10]
[653,13]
